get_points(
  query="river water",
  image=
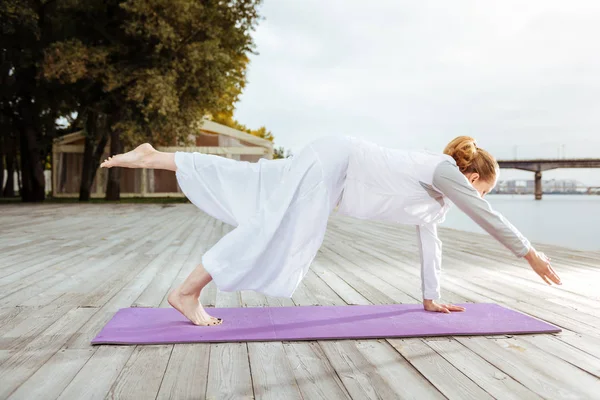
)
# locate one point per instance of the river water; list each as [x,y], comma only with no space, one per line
[567,220]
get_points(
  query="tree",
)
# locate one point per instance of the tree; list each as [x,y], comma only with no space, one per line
[279,152]
[29,106]
[150,70]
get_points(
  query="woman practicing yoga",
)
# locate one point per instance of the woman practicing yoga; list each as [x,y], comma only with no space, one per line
[280,209]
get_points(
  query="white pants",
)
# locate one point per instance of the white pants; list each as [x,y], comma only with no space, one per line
[280,209]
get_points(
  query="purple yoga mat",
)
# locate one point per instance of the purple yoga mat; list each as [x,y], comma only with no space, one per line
[167,325]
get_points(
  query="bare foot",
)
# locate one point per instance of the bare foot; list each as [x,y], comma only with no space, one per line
[191,308]
[136,158]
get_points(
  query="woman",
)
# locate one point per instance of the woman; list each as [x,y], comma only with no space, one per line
[280,209]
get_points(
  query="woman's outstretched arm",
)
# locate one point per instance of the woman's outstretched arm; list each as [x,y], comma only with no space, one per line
[453,184]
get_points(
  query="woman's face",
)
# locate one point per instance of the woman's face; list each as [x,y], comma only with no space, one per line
[482,187]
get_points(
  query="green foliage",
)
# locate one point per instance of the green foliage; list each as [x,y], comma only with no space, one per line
[279,152]
[227,119]
[29,105]
[137,70]
[157,66]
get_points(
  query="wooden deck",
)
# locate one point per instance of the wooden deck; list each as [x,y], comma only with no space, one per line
[66,269]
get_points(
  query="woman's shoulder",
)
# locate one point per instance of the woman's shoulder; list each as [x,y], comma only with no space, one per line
[441,157]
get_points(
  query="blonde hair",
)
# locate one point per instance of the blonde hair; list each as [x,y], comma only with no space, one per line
[471,158]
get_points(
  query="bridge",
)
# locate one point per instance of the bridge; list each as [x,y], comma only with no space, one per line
[593,189]
[540,165]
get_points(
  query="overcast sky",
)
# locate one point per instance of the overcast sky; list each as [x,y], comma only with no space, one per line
[522,77]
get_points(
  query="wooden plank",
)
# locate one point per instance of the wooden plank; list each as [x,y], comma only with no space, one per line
[303,296]
[103,292]
[125,297]
[546,375]
[361,262]
[560,349]
[97,376]
[26,361]
[228,299]
[29,324]
[157,290]
[46,291]
[436,369]
[251,298]
[5,355]
[403,275]
[485,375]
[9,318]
[205,236]
[315,376]
[164,237]
[16,273]
[272,376]
[229,372]
[317,290]
[588,344]
[376,372]
[348,294]
[46,383]
[186,373]
[373,287]
[142,374]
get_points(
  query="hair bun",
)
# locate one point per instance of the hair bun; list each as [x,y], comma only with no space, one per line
[470,158]
[463,150]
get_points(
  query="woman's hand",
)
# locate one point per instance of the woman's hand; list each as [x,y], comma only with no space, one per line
[430,305]
[541,265]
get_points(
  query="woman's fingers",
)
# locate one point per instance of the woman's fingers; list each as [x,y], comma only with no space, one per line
[550,276]
[443,308]
[554,276]
[545,278]
[543,268]
[452,307]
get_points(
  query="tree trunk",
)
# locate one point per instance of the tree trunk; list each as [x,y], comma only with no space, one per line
[1,164]
[11,161]
[113,187]
[95,141]
[32,169]
[10,156]
[19,176]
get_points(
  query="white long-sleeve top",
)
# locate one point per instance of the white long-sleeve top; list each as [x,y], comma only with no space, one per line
[416,187]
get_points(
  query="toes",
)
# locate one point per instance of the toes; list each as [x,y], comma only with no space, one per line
[211,322]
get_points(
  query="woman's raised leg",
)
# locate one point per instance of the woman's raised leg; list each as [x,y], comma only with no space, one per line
[143,156]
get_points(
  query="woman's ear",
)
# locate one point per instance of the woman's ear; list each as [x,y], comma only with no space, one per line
[474,177]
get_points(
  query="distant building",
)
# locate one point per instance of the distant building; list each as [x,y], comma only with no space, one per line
[210,138]
[558,186]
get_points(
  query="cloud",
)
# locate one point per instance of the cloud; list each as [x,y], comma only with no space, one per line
[416,74]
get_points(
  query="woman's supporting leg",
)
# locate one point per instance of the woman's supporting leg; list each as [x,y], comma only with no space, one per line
[143,156]
[185,298]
